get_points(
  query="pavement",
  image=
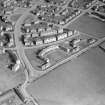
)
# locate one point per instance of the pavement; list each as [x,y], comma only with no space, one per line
[30,72]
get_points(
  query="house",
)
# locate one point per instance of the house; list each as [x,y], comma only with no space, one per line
[27,24]
[48,28]
[9,28]
[1,44]
[16,66]
[65,49]
[32,43]
[48,49]
[76,32]
[68,19]
[64,12]
[35,34]
[44,34]
[78,12]
[61,36]
[2,33]
[2,51]
[38,41]
[37,22]
[45,66]
[27,43]
[91,40]
[2,28]
[43,5]
[48,33]
[41,29]
[60,30]
[9,12]
[26,30]
[33,30]
[75,49]
[61,22]
[54,31]
[11,43]
[74,42]
[88,5]
[73,15]
[50,39]
[69,33]
[27,37]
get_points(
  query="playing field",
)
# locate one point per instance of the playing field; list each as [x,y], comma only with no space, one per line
[89,25]
[8,78]
[78,82]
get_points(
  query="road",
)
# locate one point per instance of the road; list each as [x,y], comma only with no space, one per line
[83,12]
[31,73]
[34,74]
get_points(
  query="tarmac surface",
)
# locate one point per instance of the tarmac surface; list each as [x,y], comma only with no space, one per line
[77,82]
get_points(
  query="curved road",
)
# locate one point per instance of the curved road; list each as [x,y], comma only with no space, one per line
[31,73]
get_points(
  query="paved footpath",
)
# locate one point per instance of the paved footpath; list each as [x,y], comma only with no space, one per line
[31,73]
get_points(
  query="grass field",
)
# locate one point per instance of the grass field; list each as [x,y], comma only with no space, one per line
[89,25]
[31,55]
[8,78]
[15,17]
[78,82]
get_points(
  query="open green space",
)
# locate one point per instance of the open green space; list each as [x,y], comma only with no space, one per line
[9,78]
[77,82]
[89,25]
